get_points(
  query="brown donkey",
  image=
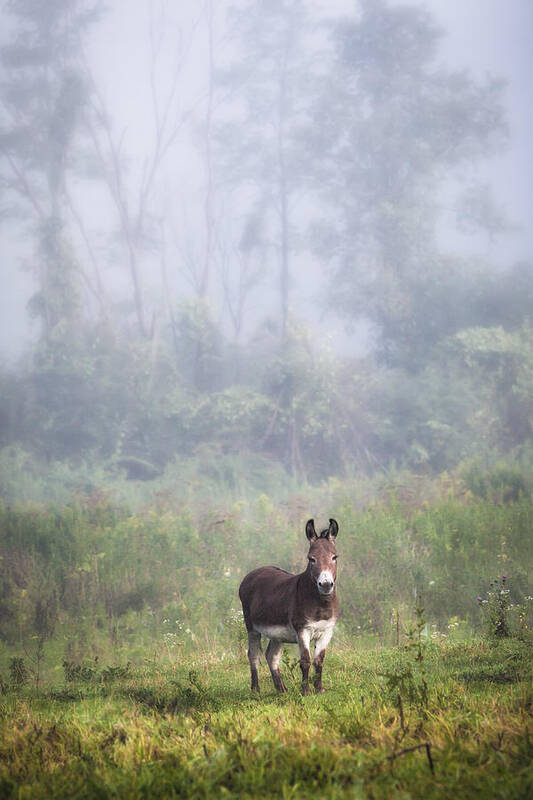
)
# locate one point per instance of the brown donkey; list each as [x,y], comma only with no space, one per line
[293,608]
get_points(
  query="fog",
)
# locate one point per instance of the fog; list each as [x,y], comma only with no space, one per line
[233,187]
[267,277]
[486,38]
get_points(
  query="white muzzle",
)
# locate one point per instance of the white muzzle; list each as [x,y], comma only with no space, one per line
[325,582]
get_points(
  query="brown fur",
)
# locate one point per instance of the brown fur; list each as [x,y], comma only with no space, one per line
[287,607]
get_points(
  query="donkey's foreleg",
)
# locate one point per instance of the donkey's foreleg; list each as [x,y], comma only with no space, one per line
[304,639]
[254,651]
[273,653]
[318,658]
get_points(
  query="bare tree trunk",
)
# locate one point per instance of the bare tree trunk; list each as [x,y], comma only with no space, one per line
[133,202]
[283,197]
[96,286]
[209,220]
[297,463]
[284,265]
[208,154]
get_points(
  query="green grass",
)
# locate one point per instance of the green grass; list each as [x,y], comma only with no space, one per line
[96,586]
[192,729]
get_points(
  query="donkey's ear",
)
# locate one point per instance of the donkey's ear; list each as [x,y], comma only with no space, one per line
[310,530]
[333,529]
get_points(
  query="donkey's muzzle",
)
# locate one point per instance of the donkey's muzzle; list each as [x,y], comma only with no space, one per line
[325,583]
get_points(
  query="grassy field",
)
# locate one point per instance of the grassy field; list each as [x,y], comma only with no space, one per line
[430,721]
[419,703]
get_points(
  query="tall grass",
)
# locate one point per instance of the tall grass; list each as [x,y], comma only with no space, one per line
[91,574]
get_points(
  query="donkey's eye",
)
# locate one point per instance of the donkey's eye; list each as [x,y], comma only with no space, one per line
[312,560]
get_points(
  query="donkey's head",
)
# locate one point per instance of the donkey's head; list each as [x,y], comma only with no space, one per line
[322,556]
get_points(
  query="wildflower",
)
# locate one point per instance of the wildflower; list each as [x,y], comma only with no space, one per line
[479,598]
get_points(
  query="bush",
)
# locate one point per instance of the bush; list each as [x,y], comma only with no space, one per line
[501,484]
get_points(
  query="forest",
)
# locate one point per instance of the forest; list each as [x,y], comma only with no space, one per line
[170,335]
[266,277]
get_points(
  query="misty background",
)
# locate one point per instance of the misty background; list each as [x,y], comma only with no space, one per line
[263,261]
[246,243]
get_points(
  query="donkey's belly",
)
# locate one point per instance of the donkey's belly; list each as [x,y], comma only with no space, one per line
[280,632]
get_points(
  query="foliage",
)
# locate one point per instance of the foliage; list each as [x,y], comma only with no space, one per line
[412,680]
[173,567]
[44,97]
[503,483]
[504,359]
[109,402]
[395,124]
[97,393]
[18,671]
[503,617]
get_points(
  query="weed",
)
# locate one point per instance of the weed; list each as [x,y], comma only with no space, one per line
[18,671]
[291,666]
[118,672]
[80,672]
[407,681]
[502,617]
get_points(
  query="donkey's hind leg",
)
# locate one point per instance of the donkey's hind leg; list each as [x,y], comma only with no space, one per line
[273,653]
[254,651]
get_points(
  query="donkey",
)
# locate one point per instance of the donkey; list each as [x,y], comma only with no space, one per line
[293,608]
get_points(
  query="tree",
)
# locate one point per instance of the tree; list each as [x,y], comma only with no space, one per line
[502,362]
[132,191]
[269,89]
[43,98]
[393,129]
